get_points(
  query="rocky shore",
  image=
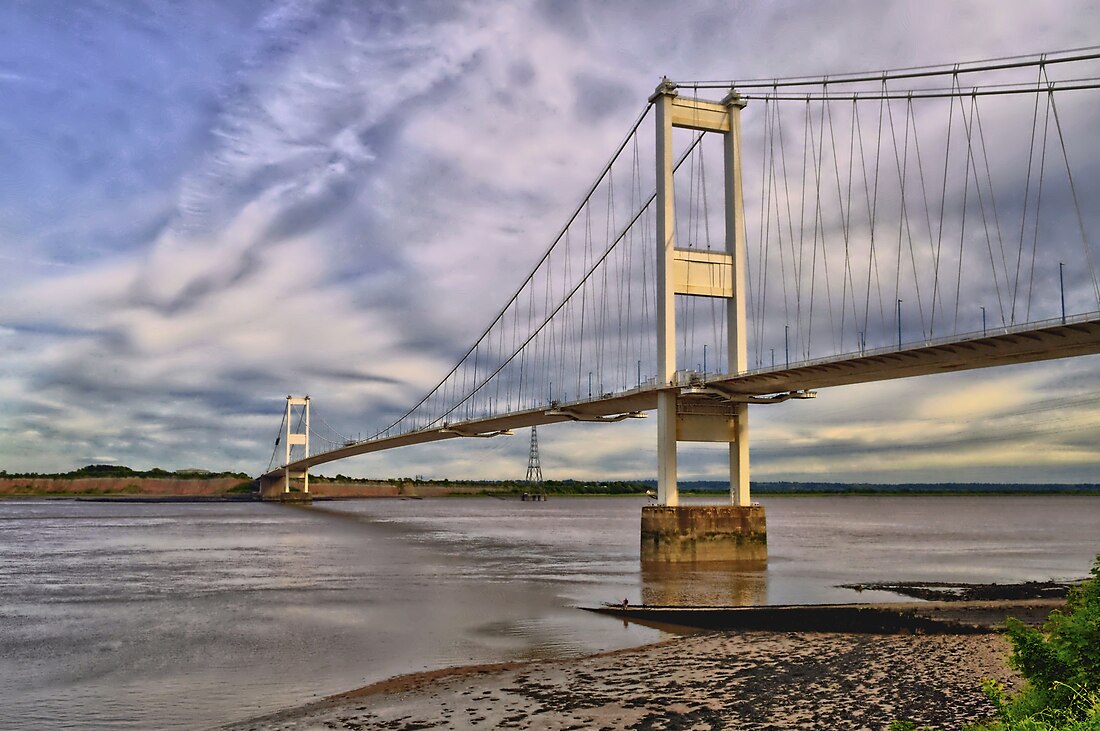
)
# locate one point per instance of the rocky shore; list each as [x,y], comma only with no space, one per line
[743,680]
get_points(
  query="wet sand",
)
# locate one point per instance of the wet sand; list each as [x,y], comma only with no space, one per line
[742,680]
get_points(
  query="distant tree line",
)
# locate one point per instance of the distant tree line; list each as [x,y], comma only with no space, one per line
[558,487]
[605,487]
[628,487]
[869,488]
[117,471]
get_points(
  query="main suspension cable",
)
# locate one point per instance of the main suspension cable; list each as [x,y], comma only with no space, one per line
[1085,53]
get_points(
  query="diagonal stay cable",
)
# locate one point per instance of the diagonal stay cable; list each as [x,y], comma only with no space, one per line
[596,264]
[927,218]
[534,270]
[992,198]
[1073,192]
[321,419]
[275,449]
[1038,209]
[1027,192]
[970,126]
[943,204]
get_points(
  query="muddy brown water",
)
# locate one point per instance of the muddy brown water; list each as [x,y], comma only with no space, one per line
[183,616]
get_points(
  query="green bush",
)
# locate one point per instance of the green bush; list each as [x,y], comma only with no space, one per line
[1061,663]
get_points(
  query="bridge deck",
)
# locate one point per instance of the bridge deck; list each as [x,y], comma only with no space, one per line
[1026,344]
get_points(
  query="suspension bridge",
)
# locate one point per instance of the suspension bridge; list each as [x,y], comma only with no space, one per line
[754,241]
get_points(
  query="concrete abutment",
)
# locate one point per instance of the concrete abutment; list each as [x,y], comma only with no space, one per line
[274,490]
[696,533]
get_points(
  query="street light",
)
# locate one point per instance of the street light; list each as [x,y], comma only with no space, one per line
[1062,288]
[899,324]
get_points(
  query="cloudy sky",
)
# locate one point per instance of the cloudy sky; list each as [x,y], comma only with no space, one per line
[206,206]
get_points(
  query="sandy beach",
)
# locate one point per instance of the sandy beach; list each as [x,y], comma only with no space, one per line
[736,680]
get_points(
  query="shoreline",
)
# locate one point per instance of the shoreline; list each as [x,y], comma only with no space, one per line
[748,680]
[122,497]
[417,682]
[88,483]
[753,679]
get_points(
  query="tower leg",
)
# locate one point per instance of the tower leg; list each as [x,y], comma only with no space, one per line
[667,491]
[739,458]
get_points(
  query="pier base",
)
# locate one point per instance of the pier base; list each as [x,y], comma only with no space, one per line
[686,533]
[301,498]
[275,491]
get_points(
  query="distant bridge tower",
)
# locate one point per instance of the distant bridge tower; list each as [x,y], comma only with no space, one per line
[296,437]
[534,467]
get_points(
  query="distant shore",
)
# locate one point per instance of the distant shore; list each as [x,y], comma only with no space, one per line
[204,488]
[122,487]
[747,680]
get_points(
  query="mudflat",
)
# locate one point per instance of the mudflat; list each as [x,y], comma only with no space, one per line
[743,680]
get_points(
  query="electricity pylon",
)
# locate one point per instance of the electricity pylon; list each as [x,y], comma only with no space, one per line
[534,468]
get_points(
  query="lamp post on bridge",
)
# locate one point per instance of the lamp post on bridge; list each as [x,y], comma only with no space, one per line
[983,322]
[1062,288]
[899,324]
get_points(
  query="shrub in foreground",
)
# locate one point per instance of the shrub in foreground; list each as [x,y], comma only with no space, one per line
[1061,663]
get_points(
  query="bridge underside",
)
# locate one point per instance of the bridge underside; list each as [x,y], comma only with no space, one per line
[1023,345]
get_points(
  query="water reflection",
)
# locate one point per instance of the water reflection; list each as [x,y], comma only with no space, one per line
[712,584]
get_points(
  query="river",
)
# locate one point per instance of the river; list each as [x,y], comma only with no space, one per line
[189,615]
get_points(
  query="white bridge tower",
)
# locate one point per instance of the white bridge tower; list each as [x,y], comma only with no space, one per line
[292,438]
[694,411]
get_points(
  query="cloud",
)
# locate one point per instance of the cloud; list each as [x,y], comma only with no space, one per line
[207,207]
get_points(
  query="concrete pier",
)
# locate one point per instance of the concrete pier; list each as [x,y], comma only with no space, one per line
[301,498]
[274,490]
[686,533]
